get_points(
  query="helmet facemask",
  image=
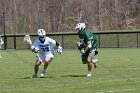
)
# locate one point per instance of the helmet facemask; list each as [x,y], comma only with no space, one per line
[42,38]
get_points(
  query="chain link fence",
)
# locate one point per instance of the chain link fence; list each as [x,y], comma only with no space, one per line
[68,40]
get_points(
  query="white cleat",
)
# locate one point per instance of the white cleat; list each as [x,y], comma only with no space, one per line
[34,76]
[89,75]
[43,73]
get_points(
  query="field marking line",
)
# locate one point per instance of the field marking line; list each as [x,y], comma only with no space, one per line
[100,92]
[111,91]
[120,90]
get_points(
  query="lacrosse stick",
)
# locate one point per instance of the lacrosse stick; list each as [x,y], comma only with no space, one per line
[27,39]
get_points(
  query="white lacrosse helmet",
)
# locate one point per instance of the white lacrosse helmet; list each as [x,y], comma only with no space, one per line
[80,27]
[41,32]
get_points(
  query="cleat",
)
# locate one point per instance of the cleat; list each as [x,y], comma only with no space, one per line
[95,63]
[34,76]
[43,73]
[89,75]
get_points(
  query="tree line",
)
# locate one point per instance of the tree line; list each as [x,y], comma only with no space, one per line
[26,16]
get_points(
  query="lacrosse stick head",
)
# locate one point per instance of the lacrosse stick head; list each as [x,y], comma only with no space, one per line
[27,39]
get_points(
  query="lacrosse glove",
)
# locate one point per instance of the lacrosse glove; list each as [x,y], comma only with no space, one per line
[60,50]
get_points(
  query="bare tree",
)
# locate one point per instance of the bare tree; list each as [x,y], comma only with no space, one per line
[25,16]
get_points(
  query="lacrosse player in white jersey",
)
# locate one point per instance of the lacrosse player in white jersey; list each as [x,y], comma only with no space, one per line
[44,47]
[1,43]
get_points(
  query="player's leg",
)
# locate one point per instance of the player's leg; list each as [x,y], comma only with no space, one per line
[94,61]
[84,58]
[48,59]
[39,59]
[89,64]
[36,68]
[87,60]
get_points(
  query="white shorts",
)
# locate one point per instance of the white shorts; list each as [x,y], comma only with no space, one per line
[41,57]
[92,54]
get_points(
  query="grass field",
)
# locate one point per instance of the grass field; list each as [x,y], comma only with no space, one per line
[118,72]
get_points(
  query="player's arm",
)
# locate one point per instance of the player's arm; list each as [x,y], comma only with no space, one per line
[80,45]
[89,45]
[35,47]
[56,44]
[88,39]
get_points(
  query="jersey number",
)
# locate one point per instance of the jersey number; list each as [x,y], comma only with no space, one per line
[45,49]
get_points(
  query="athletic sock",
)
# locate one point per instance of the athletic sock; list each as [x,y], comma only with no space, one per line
[89,72]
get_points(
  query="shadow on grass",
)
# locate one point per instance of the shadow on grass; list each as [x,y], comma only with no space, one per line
[37,77]
[54,77]
[74,76]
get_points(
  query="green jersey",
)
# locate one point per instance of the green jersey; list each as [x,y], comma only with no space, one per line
[86,36]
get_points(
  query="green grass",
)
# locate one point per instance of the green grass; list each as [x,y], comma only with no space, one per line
[118,72]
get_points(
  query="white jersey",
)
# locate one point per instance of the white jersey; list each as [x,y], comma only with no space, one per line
[46,48]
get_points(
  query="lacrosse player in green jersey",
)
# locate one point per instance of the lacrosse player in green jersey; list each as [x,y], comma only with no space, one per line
[87,46]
